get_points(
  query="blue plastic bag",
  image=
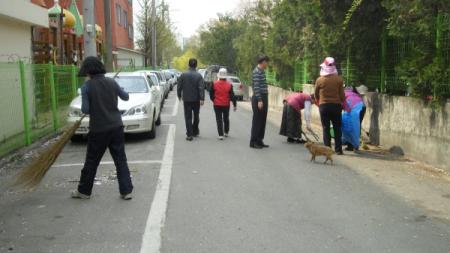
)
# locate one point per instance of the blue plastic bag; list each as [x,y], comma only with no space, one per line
[351,126]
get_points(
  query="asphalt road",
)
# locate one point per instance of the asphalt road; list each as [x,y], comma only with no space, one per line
[221,196]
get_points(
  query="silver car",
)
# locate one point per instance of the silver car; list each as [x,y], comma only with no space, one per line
[238,88]
[140,114]
[163,82]
[202,72]
[170,77]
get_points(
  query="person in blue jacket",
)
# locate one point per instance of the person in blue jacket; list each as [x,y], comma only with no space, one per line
[100,101]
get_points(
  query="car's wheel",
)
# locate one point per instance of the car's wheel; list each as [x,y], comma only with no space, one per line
[158,121]
[152,133]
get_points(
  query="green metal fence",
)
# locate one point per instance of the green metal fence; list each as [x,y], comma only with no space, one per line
[386,69]
[34,99]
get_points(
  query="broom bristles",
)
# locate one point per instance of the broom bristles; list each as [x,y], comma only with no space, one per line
[33,174]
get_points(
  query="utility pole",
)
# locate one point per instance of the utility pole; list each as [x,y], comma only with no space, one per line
[154,33]
[108,37]
[146,47]
[90,47]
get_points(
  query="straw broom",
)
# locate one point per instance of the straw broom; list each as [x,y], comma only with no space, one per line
[33,174]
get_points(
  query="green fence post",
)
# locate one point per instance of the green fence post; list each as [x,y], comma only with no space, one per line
[23,85]
[383,61]
[305,71]
[439,23]
[51,77]
[347,67]
[74,81]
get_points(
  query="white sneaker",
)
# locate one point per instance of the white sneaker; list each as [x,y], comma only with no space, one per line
[221,138]
[127,196]
[77,195]
[226,135]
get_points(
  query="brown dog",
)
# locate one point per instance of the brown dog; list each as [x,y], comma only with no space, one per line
[319,150]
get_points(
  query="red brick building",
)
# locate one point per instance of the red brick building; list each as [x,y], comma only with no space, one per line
[121,22]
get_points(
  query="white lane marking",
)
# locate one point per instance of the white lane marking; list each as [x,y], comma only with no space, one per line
[175,110]
[151,240]
[105,163]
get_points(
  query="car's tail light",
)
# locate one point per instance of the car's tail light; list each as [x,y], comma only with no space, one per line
[240,86]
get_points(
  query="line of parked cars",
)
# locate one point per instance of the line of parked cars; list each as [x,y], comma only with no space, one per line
[141,114]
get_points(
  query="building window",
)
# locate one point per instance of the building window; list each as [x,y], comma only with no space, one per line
[119,14]
[130,32]
[130,2]
[125,19]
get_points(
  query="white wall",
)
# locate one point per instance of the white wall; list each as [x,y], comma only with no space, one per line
[15,40]
[11,114]
[23,11]
[125,57]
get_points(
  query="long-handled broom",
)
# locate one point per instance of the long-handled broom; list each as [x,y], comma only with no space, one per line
[314,135]
[33,174]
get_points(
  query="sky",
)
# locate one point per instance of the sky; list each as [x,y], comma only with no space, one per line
[188,15]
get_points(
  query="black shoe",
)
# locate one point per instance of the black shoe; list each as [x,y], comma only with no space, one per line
[290,140]
[263,145]
[339,153]
[255,146]
[189,138]
[300,141]
[349,148]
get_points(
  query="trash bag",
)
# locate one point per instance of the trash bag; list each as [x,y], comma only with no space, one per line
[351,126]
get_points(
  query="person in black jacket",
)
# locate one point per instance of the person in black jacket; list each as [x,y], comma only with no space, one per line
[191,90]
[99,100]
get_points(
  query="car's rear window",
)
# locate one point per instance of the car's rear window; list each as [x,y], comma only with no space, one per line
[168,75]
[132,84]
[160,76]
[234,80]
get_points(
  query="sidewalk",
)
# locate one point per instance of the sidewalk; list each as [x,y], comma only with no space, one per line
[420,184]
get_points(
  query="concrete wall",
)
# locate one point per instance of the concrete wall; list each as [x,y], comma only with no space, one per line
[16,40]
[422,132]
[23,11]
[16,19]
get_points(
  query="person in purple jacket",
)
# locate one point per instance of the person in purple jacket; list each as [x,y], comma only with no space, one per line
[352,117]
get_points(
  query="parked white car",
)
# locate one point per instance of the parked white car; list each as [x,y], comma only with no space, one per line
[238,88]
[140,114]
[155,81]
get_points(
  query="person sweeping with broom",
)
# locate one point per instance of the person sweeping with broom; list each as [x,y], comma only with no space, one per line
[100,101]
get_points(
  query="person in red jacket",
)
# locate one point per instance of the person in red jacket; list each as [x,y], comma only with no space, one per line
[222,94]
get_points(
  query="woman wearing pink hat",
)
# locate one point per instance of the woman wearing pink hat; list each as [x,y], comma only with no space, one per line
[330,92]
